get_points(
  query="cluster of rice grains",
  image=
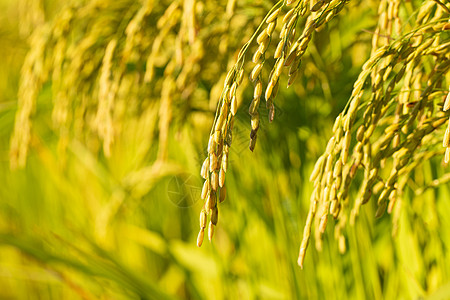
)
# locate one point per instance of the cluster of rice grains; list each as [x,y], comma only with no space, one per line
[385,131]
[289,51]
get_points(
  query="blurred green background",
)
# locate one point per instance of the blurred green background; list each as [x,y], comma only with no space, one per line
[76,224]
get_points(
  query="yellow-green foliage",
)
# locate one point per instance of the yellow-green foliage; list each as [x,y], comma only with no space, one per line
[107,110]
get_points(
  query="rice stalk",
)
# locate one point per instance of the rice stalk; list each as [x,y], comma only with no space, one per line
[396,108]
[288,52]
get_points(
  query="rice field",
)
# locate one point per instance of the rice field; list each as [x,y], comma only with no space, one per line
[312,138]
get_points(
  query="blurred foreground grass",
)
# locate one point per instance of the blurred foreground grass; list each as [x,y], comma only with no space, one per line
[76,224]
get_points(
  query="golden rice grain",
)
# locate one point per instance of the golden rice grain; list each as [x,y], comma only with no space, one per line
[221,177]
[225,161]
[317,168]
[210,201]
[200,236]
[213,162]
[205,166]
[214,216]
[287,17]
[270,28]
[273,16]
[269,90]
[262,37]
[317,6]
[205,189]
[214,180]
[255,122]
[203,219]
[256,71]
[222,194]
[210,231]
[233,109]
[258,89]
